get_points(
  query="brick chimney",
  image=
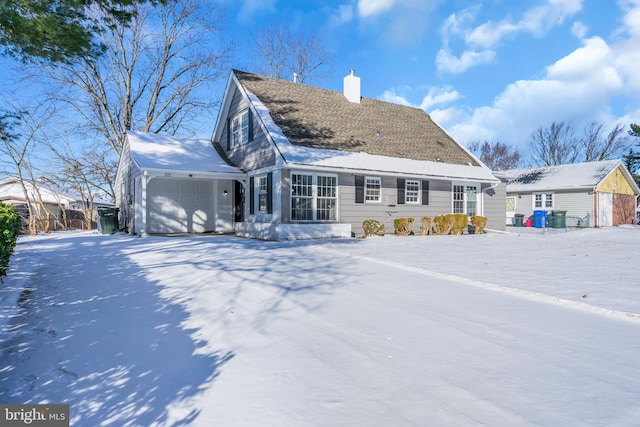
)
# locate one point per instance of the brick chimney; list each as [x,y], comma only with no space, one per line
[352,87]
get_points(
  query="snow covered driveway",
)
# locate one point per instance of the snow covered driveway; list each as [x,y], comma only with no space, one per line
[526,329]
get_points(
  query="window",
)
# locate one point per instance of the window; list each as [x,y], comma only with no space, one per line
[301,197]
[373,188]
[240,129]
[263,193]
[412,192]
[327,198]
[260,194]
[543,200]
[465,199]
[314,197]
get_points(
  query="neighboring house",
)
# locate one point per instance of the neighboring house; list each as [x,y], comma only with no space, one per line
[48,205]
[295,161]
[167,184]
[599,194]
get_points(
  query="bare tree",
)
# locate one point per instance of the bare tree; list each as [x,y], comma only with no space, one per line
[16,150]
[596,145]
[496,155]
[153,75]
[554,145]
[89,173]
[281,54]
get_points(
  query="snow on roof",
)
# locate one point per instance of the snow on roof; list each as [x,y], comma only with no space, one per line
[11,189]
[561,177]
[363,161]
[154,151]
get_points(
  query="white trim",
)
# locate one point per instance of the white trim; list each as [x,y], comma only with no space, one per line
[379,201]
[465,201]
[314,198]
[544,200]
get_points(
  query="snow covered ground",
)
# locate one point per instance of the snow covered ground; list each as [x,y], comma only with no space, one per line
[527,328]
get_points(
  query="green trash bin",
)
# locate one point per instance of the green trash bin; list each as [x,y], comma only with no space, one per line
[518,220]
[559,219]
[108,220]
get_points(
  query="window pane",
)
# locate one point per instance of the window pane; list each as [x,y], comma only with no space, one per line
[245,127]
[472,200]
[301,209]
[327,200]
[458,199]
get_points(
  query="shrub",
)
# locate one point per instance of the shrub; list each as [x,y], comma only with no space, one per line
[442,224]
[479,223]
[426,225]
[10,225]
[372,227]
[403,226]
[460,221]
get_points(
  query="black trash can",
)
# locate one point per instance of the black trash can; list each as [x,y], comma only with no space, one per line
[518,220]
[108,220]
[559,219]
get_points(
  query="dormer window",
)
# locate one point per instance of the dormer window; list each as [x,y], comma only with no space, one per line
[240,128]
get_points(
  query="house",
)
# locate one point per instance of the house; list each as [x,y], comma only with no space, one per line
[293,161]
[595,194]
[48,203]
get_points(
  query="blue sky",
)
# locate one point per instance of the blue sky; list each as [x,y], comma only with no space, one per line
[493,69]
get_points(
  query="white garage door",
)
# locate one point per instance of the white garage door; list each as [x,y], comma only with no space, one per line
[180,206]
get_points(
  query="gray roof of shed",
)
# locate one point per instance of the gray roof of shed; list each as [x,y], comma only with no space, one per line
[318,118]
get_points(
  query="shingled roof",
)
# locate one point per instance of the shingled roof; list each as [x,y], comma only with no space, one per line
[318,118]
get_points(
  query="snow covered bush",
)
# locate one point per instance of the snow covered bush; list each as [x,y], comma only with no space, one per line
[9,230]
[460,221]
[373,227]
[403,226]
[442,224]
[479,223]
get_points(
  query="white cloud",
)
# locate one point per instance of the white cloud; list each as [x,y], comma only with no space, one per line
[250,8]
[343,15]
[435,96]
[490,34]
[579,30]
[367,8]
[399,22]
[577,88]
[540,19]
[449,63]
[444,117]
[481,41]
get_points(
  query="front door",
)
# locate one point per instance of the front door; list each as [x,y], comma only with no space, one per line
[238,204]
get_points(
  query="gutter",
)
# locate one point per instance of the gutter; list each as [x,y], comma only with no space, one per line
[303,166]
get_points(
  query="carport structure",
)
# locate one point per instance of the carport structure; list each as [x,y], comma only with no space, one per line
[172,185]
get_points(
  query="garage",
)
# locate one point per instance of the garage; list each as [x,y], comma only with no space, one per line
[180,206]
[170,185]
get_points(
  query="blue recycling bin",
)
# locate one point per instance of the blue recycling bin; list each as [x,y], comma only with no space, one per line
[540,219]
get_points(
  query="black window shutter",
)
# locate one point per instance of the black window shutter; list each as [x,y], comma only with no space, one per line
[228,134]
[250,119]
[359,189]
[252,202]
[401,191]
[425,192]
[270,193]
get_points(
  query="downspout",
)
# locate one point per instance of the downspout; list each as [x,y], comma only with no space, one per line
[596,208]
